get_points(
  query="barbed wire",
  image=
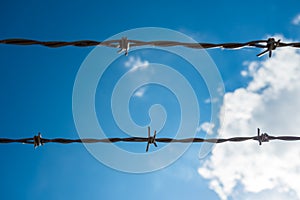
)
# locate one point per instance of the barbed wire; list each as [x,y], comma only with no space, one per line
[124,44]
[38,140]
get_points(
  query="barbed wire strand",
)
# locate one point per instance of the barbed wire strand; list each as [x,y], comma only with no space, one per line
[38,140]
[124,44]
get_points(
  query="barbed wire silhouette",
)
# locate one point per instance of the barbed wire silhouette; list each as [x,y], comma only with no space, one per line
[124,44]
[38,140]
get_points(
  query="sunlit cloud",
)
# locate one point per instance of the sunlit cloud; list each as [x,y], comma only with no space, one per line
[135,63]
[206,127]
[271,102]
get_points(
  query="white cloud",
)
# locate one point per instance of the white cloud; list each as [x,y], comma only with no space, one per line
[135,63]
[211,100]
[252,68]
[140,92]
[296,20]
[271,102]
[244,73]
[206,127]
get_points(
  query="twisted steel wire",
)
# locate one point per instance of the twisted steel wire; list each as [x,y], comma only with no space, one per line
[144,139]
[38,140]
[124,44]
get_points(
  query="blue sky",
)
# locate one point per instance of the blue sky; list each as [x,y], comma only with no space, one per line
[37,83]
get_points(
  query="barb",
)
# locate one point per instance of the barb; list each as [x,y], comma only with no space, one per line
[38,140]
[123,44]
[151,140]
[271,45]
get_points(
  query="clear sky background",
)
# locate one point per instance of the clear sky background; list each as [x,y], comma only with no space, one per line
[36,87]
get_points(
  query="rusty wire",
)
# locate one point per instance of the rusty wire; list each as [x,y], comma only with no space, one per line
[38,140]
[124,44]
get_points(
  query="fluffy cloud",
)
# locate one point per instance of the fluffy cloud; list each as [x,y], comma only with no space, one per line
[296,20]
[206,127]
[271,102]
[135,63]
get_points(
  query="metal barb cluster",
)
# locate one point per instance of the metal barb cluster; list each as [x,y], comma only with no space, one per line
[37,140]
[124,44]
[151,140]
[271,45]
[262,137]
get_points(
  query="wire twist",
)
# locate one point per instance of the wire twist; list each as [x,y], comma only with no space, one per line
[124,44]
[38,140]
